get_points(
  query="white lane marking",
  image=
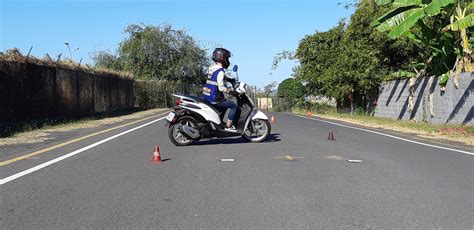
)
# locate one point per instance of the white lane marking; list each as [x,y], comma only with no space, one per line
[227,160]
[354,161]
[48,163]
[388,135]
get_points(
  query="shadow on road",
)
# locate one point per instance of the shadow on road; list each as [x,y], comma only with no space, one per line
[273,137]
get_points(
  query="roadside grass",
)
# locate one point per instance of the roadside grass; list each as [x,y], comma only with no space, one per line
[458,133]
[40,130]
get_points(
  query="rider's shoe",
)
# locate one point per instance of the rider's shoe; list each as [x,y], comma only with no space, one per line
[231,129]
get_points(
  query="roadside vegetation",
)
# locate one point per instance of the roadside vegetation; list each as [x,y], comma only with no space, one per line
[157,53]
[383,40]
[15,55]
[162,60]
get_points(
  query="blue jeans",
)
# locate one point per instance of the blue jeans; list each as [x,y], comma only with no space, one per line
[228,104]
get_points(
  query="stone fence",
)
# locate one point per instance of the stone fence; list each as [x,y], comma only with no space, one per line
[423,100]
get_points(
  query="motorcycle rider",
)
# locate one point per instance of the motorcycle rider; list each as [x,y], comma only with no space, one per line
[214,88]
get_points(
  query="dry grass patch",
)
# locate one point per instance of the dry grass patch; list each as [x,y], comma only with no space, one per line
[31,137]
[84,124]
[14,55]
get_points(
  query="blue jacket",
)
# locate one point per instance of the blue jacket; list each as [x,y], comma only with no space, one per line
[210,90]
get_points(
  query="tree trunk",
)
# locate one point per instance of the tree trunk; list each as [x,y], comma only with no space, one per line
[338,105]
[351,100]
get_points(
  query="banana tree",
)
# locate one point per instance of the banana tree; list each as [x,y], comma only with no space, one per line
[460,22]
[405,14]
[422,21]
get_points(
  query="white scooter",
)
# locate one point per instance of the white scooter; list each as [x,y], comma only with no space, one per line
[194,118]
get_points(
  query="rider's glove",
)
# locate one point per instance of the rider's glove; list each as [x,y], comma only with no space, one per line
[234,93]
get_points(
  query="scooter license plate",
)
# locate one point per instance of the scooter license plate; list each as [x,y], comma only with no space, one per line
[170,116]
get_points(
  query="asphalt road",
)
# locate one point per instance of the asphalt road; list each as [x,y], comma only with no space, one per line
[296,180]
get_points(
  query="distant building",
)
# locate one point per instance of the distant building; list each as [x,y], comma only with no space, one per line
[265,103]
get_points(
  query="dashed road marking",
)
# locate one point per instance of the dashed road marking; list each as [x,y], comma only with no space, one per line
[288,157]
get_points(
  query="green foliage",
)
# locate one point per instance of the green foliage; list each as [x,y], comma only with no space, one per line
[463,23]
[443,80]
[152,52]
[284,55]
[401,75]
[406,13]
[291,88]
[317,55]
[106,60]
[427,24]
[350,61]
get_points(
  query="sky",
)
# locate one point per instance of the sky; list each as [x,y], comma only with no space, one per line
[253,30]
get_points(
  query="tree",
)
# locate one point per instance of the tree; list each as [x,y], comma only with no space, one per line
[349,61]
[106,60]
[265,92]
[291,89]
[317,54]
[269,88]
[152,52]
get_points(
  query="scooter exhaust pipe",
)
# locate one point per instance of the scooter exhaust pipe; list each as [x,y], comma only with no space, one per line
[189,132]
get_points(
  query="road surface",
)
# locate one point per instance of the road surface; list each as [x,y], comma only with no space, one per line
[296,180]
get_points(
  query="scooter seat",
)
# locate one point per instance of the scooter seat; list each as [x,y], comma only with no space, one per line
[204,101]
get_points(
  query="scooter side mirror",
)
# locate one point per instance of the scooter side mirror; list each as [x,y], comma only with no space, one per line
[235,68]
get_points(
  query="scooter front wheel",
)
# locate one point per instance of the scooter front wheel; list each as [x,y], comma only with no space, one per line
[176,136]
[257,131]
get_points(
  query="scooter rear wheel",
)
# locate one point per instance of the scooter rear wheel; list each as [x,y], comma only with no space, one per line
[175,136]
[259,132]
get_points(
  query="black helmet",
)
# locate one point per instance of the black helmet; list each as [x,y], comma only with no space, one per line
[222,56]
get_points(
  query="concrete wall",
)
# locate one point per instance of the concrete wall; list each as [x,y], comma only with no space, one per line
[454,106]
[29,91]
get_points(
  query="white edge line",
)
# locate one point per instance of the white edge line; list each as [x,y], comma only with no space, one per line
[48,163]
[388,135]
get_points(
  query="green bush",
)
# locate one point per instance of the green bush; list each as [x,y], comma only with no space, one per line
[301,105]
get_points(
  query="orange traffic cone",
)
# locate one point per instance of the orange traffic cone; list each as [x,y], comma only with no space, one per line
[331,136]
[156,155]
[310,114]
[272,119]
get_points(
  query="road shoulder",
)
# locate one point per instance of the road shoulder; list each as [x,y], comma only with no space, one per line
[42,138]
[421,136]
